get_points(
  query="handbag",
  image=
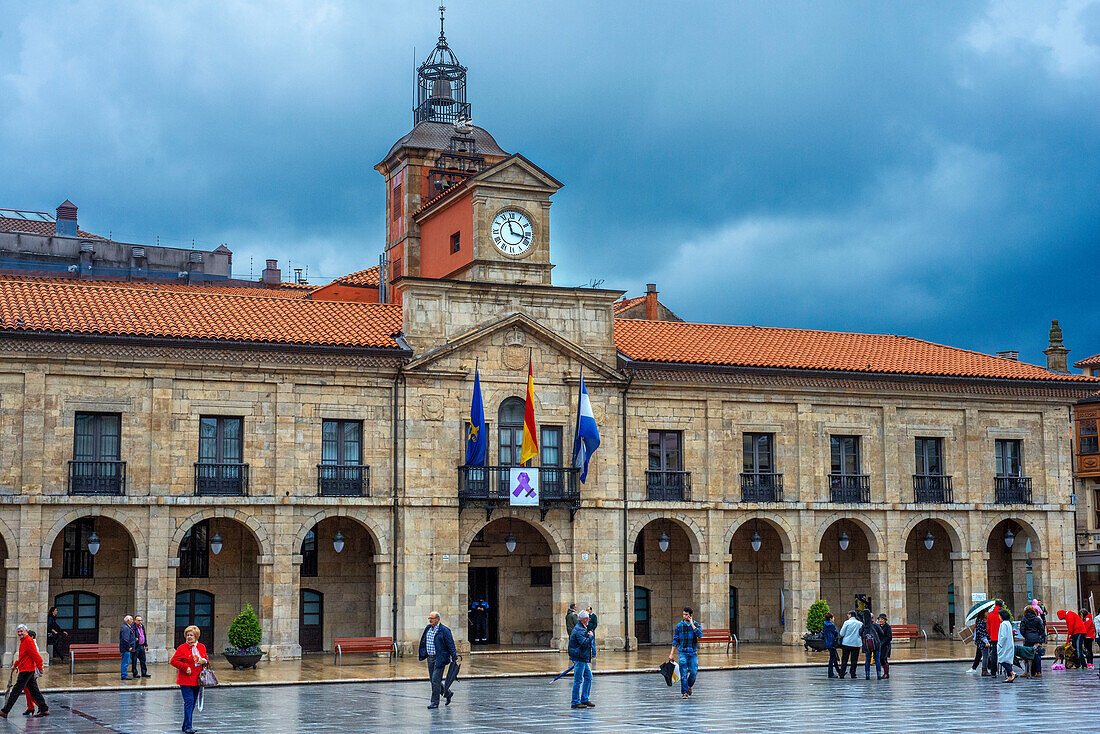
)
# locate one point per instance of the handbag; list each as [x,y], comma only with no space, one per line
[207,679]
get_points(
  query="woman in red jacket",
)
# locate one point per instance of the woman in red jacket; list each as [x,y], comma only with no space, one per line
[28,661]
[189,660]
[993,627]
[1075,633]
[1090,634]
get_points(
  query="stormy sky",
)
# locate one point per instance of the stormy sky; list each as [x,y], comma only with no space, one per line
[921,168]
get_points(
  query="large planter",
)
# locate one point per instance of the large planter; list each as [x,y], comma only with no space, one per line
[240,662]
[814,643]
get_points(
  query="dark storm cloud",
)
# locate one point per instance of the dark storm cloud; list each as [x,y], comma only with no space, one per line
[920,168]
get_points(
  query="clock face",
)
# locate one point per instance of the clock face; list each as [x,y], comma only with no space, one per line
[512,233]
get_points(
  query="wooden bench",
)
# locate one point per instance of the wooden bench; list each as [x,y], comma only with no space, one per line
[105,651]
[362,645]
[1055,628]
[908,632]
[720,636]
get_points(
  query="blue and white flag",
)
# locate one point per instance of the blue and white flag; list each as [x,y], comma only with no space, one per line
[475,436]
[587,439]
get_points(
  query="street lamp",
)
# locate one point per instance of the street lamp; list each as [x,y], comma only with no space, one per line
[338,541]
[755,542]
[929,540]
[510,542]
[844,540]
[1010,537]
[662,541]
[93,543]
[216,544]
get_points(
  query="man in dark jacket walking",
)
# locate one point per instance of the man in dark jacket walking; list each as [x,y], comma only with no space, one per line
[127,641]
[580,653]
[830,638]
[437,646]
[570,619]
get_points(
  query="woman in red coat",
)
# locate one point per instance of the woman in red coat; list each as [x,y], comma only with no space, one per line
[1075,631]
[28,661]
[1090,634]
[189,660]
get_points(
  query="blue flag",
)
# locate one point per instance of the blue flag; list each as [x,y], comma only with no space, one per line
[587,439]
[475,436]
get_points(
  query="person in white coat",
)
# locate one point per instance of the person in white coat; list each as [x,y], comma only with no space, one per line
[1006,646]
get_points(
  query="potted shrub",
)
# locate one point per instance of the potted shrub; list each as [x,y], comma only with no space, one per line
[815,622]
[243,650]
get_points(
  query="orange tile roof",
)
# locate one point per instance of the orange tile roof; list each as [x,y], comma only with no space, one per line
[230,290]
[110,309]
[1093,361]
[626,303]
[368,277]
[32,226]
[753,346]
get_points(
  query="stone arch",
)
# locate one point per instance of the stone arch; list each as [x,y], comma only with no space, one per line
[259,533]
[691,528]
[951,526]
[10,543]
[1028,521]
[550,534]
[136,536]
[377,535]
[779,524]
[867,524]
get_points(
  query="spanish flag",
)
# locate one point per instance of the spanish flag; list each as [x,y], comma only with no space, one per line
[530,448]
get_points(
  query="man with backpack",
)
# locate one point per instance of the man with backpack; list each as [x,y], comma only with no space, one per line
[871,637]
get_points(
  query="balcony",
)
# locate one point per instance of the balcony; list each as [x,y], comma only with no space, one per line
[343,480]
[757,487]
[935,488]
[97,478]
[1012,490]
[850,488]
[668,486]
[221,480]
[487,487]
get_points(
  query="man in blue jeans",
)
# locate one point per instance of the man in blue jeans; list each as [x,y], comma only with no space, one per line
[580,652]
[127,640]
[685,638]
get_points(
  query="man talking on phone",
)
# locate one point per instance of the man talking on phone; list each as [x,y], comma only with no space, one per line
[685,639]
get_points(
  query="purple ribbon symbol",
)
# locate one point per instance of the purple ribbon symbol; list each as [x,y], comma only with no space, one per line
[524,483]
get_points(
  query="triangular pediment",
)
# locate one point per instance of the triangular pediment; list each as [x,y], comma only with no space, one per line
[517,171]
[517,334]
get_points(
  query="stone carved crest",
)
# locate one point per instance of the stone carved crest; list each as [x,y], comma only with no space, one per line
[515,349]
[432,407]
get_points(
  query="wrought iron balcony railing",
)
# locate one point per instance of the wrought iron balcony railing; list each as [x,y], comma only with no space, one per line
[489,487]
[932,488]
[668,486]
[221,480]
[1012,490]
[97,477]
[343,480]
[761,487]
[850,488]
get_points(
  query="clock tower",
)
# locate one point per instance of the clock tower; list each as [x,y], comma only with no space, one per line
[458,206]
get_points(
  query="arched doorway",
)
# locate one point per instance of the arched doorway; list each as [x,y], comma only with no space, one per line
[338,582]
[92,577]
[1012,574]
[756,583]
[930,578]
[218,574]
[662,566]
[846,574]
[510,570]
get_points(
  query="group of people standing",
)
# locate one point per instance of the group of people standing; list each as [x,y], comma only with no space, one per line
[996,648]
[133,644]
[860,631]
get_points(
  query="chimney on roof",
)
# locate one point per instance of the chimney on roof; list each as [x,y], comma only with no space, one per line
[1010,354]
[651,302]
[1056,352]
[66,219]
[271,275]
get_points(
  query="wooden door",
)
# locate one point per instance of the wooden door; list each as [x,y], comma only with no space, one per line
[641,615]
[195,607]
[311,616]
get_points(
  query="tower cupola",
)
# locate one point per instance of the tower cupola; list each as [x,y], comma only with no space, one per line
[441,84]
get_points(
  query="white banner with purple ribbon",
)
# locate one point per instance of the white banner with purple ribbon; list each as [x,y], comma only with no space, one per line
[524,487]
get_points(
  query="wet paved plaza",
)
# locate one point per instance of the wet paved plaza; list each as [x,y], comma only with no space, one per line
[931,697]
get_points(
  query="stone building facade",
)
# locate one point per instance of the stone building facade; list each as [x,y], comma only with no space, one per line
[304,453]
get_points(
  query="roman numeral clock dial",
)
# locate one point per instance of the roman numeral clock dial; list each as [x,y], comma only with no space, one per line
[512,233]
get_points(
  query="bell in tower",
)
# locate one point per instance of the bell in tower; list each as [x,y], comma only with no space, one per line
[441,85]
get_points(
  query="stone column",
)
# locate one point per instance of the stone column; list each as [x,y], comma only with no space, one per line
[562,565]
[279,579]
[162,562]
[978,572]
[701,591]
[383,596]
[886,596]
[796,608]
[11,602]
[891,573]
[963,585]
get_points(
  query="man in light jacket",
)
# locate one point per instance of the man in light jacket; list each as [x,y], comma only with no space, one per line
[849,643]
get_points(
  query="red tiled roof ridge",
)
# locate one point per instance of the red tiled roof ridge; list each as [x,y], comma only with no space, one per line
[152,288]
[440,195]
[1092,361]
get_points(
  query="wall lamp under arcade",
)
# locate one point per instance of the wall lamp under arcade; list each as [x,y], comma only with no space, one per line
[756,541]
[338,541]
[216,544]
[1010,537]
[662,541]
[844,540]
[929,539]
[93,543]
[510,542]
